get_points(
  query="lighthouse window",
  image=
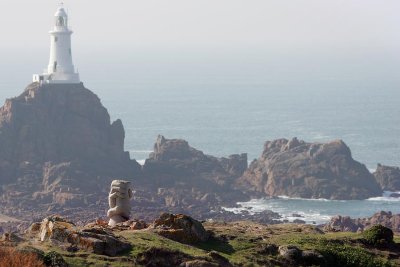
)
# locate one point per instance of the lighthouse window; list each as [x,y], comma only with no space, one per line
[60,21]
[55,38]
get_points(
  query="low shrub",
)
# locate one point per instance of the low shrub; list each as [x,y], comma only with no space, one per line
[53,258]
[378,235]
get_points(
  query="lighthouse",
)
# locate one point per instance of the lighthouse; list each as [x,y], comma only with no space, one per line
[60,69]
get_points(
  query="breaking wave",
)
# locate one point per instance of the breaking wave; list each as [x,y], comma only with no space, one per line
[319,211]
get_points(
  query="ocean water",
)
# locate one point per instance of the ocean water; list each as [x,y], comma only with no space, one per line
[226,104]
[319,211]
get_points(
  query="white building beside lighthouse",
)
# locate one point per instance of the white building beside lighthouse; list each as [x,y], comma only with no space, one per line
[60,68]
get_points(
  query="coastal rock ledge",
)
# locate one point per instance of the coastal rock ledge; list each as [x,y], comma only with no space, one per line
[295,168]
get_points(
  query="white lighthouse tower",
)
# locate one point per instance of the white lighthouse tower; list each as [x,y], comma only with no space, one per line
[60,68]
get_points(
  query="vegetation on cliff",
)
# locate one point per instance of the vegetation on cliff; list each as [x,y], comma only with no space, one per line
[230,244]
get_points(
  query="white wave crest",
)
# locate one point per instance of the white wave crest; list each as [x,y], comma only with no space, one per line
[141,161]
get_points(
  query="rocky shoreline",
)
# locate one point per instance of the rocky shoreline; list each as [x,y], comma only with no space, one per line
[60,151]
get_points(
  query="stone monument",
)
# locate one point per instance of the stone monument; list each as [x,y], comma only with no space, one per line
[119,201]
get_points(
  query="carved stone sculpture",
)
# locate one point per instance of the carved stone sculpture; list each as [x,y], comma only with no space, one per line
[119,201]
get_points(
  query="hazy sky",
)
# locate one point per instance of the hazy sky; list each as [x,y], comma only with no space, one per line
[342,40]
[226,24]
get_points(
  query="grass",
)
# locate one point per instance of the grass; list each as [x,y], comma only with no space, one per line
[142,240]
[240,243]
[339,249]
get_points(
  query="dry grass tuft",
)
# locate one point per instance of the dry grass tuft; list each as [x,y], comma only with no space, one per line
[9,257]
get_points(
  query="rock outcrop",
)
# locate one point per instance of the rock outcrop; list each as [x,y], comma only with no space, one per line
[183,179]
[388,177]
[181,228]
[309,170]
[176,158]
[96,239]
[58,145]
[347,224]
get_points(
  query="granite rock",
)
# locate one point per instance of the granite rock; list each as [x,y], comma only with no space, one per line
[388,177]
[181,228]
[295,168]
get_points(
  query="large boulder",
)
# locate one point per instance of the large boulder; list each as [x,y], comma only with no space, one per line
[94,238]
[181,228]
[57,228]
[309,170]
[388,177]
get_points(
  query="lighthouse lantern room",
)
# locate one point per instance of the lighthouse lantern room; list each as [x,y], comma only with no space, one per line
[60,68]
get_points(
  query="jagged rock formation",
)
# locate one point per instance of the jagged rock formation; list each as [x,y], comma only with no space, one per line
[175,157]
[309,170]
[347,224]
[388,177]
[183,179]
[59,146]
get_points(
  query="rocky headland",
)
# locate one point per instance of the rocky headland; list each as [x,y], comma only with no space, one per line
[59,149]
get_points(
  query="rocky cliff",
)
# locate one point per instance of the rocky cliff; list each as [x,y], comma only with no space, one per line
[58,146]
[388,177]
[309,170]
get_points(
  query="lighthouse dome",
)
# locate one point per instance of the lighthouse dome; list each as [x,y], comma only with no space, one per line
[61,18]
[61,12]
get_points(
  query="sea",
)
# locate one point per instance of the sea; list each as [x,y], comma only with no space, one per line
[227,102]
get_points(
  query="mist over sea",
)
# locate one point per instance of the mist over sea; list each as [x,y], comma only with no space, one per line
[226,104]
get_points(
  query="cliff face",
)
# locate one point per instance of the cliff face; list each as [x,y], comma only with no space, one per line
[309,170]
[388,177]
[59,123]
[59,138]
